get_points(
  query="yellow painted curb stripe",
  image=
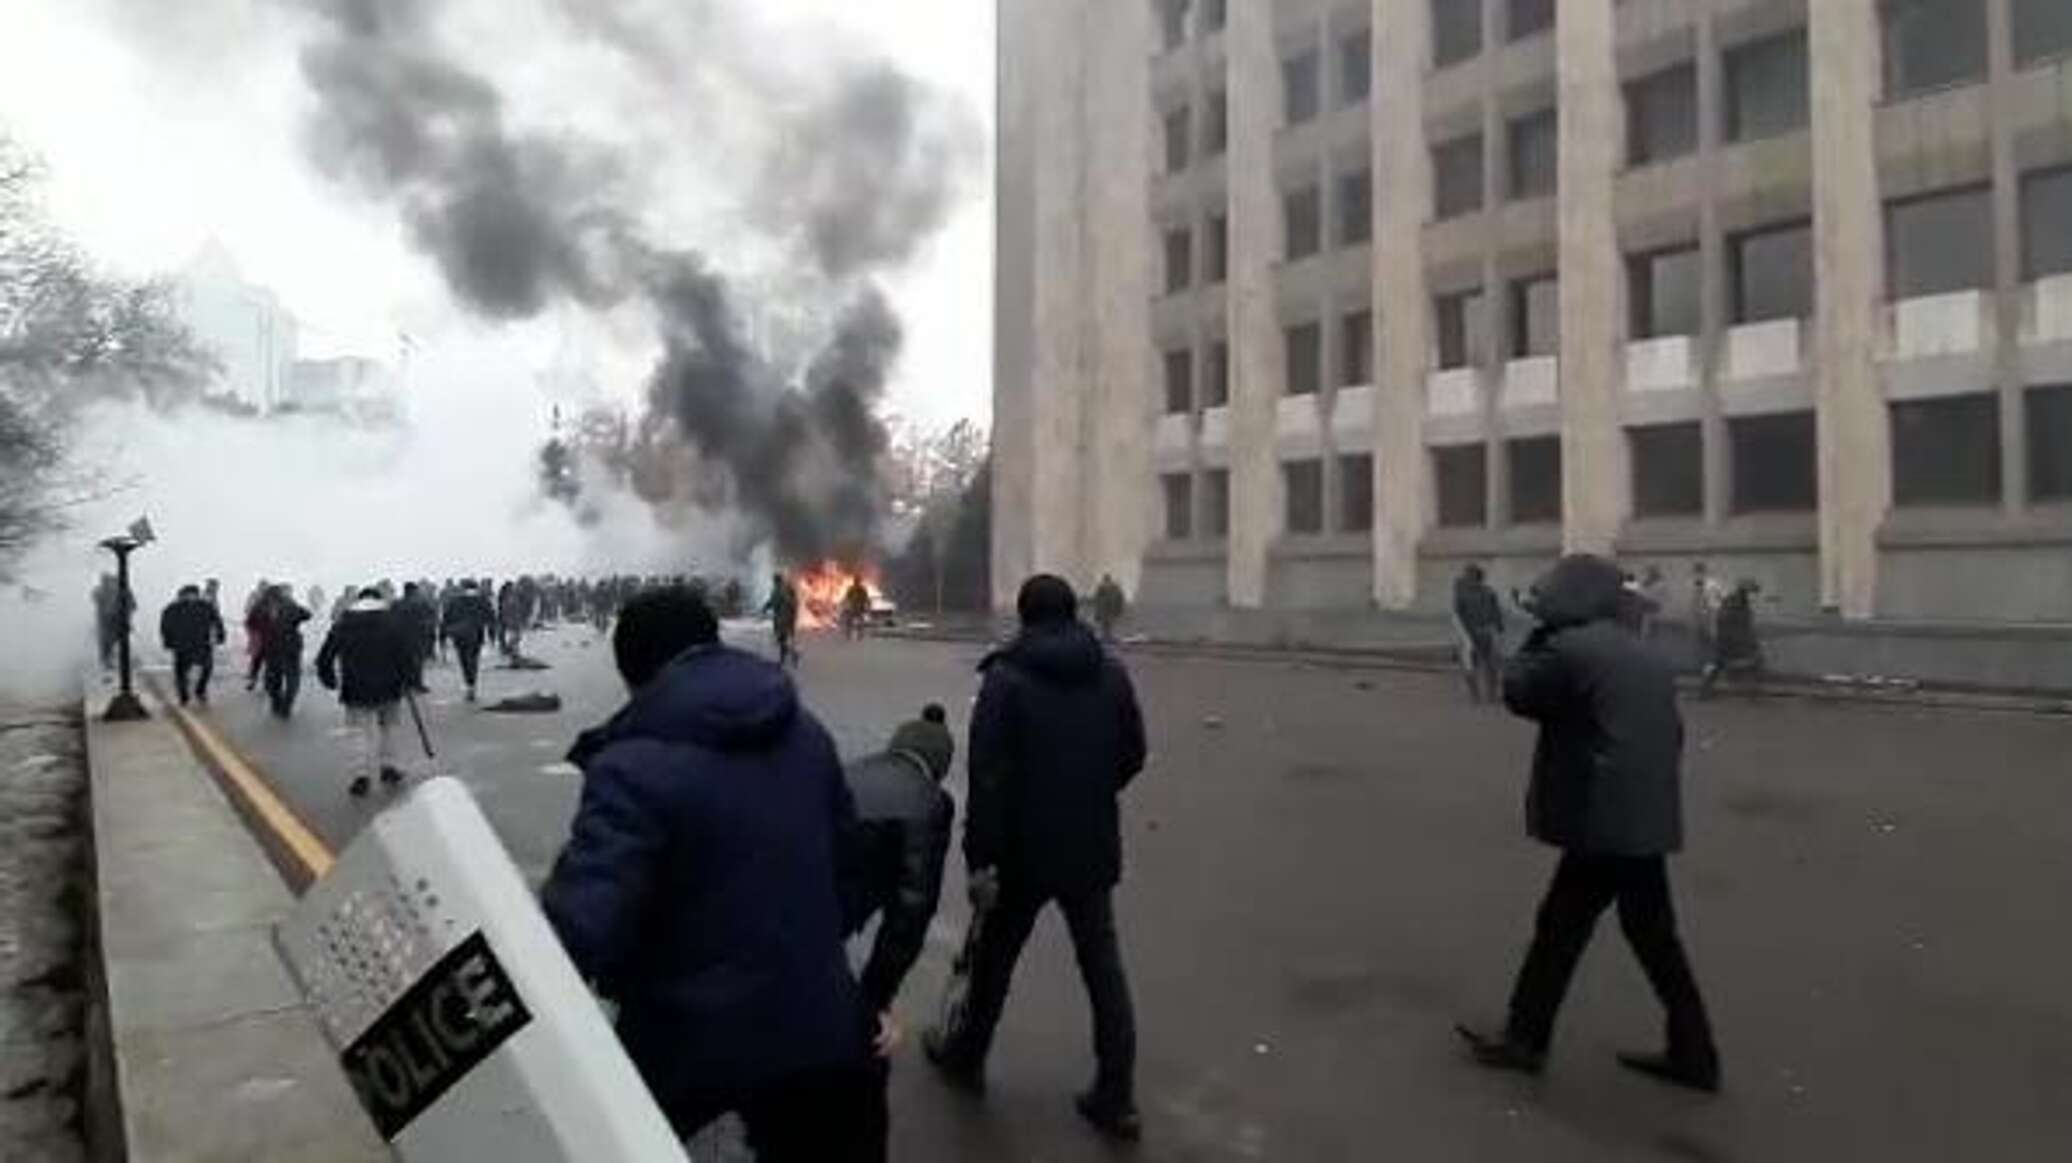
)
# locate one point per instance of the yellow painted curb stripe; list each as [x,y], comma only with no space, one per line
[294,836]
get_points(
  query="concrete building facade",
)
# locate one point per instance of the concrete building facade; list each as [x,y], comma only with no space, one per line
[1305,304]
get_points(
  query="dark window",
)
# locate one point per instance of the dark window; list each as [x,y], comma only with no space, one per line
[1662,116]
[1663,292]
[1176,140]
[1172,22]
[1461,480]
[2050,443]
[1218,258]
[1355,68]
[1215,130]
[1946,451]
[1668,470]
[1216,505]
[1535,480]
[1179,261]
[2042,31]
[2047,223]
[1775,463]
[1463,326]
[1355,208]
[1535,154]
[1536,316]
[1305,364]
[1356,349]
[1773,273]
[1933,43]
[1456,30]
[1303,214]
[1529,17]
[1216,392]
[1768,87]
[1303,483]
[1355,493]
[1179,506]
[1457,176]
[1215,15]
[1179,382]
[1299,87]
[1940,243]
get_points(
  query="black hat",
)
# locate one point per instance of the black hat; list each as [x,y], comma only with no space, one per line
[928,740]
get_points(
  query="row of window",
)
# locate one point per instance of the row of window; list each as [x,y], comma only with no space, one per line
[1457,26]
[1302,347]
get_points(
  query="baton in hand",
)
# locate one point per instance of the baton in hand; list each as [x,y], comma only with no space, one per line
[423,736]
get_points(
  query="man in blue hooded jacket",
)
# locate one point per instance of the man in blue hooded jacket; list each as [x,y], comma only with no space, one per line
[698,890]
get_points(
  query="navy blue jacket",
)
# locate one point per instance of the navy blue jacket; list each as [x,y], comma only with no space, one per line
[698,888]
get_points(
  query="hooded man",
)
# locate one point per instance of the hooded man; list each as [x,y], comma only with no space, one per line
[1607,790]
[1056,736]
[368,659]
[903,836]
[191,629]
[466,622]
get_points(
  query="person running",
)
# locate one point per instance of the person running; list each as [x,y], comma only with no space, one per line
[1736,647]
[466,623]
[783,609]
[283,657]
[366,658]
[191,629]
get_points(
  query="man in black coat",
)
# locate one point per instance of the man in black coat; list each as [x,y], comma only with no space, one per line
[904,819]
[370,660]
[1606,790]
[281,649]
[466,622]
[1481,618]
[191,629]
[1055,737]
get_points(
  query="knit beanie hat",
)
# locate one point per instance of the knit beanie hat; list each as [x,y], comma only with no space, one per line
[928,739]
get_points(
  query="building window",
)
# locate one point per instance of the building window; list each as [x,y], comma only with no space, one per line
[1215,129]
[1172,22]
[1179,506]
[2047,223]
[1218,258]
[2050,442]
[1768,88]
[1216,392]
[1176,140]
[1772,273]
[1462,323]
[1940,243]
[2042,31]
[1302,483]
[1775,463]
[1536,316]
[1946,451]
[1179,261]
[1356,349]
[1299,95]
[1355,68]
[1662,116]
[1303,215]
[1668,470]
[1663,292]
[1179,382]
[1355,208]
[1355,493]
[1535,480]
[1930,44]
[1457,176]
[1535,141]
[1456,30]
[1460,481]
[1305,359]
[1529,18]
[1216,505]
[1215,16]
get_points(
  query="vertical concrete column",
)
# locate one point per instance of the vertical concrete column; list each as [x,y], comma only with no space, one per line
[1402,308]
[1855,452]
[1594,484]
[2007,248]
[1496,293]
[1712,262]
[1255,113]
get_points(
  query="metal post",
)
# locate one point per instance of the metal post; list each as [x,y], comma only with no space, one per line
[125,706]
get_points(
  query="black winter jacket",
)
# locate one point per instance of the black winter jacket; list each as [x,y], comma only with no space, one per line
[1606,773]
[902,838]
[367,657]
[1055,737]
[190,626]
[467,619]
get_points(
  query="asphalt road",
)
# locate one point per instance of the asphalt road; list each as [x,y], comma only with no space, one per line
[1326,869]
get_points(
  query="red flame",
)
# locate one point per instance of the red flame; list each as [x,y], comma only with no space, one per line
[822,587]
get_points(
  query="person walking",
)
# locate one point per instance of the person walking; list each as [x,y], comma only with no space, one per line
[1056,736]
[1736,647]
[856,610]
[783,609]
[466,623]
[191,629]
[283,658]
[366,658]
[1606,790]
[1479,617]
[714,800]
[903,837]
[420,622]
[1706,596]
[255,633]
[1109,604]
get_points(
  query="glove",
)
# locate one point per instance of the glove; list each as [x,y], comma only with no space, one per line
[984,888]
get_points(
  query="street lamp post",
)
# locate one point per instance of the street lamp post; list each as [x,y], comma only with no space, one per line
[125,706]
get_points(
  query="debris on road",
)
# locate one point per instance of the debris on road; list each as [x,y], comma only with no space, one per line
[1212,722]
[529,703]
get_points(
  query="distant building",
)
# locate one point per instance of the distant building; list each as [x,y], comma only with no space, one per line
[243,325]
[361,389]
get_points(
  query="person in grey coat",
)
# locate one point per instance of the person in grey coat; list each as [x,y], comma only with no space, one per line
[1607,790]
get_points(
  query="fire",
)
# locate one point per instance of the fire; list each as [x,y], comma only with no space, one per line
[822,587]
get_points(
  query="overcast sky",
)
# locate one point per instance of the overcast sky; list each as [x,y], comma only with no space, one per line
[165,123]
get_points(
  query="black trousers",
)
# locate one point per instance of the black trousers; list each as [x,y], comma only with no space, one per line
[283,681]
[1090,916]
[202,663]
[833,1116]
[469,650]
[1584,886]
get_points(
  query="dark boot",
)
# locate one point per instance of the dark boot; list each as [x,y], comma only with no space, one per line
[1117,1120]
[1500,1052]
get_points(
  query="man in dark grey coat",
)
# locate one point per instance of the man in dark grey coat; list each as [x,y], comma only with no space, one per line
[1606,790]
